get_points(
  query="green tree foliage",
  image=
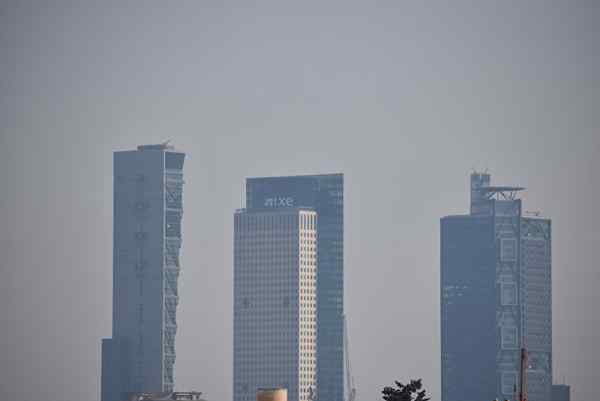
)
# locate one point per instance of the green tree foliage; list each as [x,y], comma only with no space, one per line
[409,392]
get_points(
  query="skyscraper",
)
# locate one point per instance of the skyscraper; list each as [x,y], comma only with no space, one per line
[140,356]
[325,194]
[275,267]
[495,297]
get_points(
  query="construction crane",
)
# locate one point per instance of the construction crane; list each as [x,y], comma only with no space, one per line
[521,391]
[350,388]
[523,376]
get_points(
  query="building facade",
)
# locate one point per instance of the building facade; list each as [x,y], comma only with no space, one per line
[140,355]
[496,297]
[561,392]
[275,276]
[325,194]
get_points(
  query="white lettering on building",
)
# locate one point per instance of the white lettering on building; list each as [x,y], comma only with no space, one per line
[279,201]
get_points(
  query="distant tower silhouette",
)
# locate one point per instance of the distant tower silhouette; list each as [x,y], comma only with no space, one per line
[140,356]
[496,297]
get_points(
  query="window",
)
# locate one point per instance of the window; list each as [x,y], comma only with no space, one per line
[508,249]
[509,382]
[140,345]
[141,206]
[508,293]
[509,337]
[173,220]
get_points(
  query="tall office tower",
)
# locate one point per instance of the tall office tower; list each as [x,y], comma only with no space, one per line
[275,274]
[139,357]
[495,297]
[325,194]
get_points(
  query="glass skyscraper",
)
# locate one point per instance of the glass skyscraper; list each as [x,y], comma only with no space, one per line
[275,311]
[147,212]
[496,297]
[325,195]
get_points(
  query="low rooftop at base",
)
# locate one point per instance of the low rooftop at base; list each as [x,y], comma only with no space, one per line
[177,396]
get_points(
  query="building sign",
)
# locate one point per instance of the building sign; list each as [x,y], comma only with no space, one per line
[287,192]
[279,201]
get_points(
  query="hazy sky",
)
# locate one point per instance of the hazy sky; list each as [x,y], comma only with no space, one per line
[404,98]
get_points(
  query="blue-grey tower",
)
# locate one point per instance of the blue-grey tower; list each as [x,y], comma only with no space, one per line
[496,297]
[147,212]
[324,194]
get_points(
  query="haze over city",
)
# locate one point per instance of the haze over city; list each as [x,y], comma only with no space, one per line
[404,99]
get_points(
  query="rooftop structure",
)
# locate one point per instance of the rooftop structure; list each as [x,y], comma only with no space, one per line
[561,392]
[176,396]
[271,394]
